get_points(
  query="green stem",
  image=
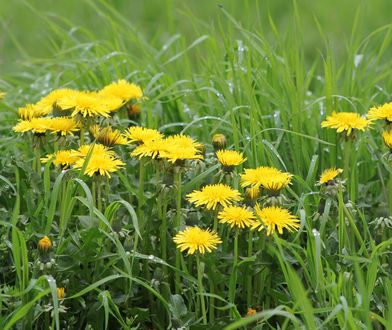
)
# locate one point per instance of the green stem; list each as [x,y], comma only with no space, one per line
[82,130]
[390,194]
[201,290]
[233,277]
[249,292]
[177,228]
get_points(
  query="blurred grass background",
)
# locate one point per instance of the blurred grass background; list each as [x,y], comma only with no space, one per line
[26,33]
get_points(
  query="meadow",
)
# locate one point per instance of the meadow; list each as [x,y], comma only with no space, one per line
[195,165]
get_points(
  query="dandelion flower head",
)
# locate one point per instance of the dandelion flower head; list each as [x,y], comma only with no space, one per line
[381,112]
[236,216]
[230,158]
[387,137]
[329,174]
[123,90]
[142,135]
[211,196]
[346,122]
[274,218]
[195,239]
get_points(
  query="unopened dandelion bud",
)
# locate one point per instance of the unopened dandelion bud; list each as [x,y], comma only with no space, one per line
[60,293]
[134,111]
[251,311]
[219,141]
[44,244]
[252,193]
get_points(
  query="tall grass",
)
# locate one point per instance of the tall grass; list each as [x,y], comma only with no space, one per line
[265,82]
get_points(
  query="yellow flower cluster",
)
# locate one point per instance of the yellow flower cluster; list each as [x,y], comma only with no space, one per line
[153,144]
[95,159]
[62,109]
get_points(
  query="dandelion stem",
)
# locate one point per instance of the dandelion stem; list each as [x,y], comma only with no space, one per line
[249,292]
[233,277]
[390,193]
[201,290]
[177,225]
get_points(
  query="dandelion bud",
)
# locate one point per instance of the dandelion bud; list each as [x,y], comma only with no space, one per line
[134,111]
[219,141]
[60,293]
[45,244]
[252,193]
[251,311]
[387,136]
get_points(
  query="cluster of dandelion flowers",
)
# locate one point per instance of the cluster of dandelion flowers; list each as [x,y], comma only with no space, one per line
[122,89]
[236,216]
[387,137]
[141,135]
[62,158]
[230,158]
[195,239]
[346,122]
[212,196]
[270,178]
[329,175]
[108,136]
[59,125]
[274,218]
[383,112]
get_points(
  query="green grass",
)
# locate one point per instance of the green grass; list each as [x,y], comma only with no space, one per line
[263,73]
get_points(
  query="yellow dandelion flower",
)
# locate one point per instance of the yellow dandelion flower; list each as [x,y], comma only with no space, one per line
[269,178]
[50,101]
[174,153]
[123,90]
[30,111]
[108,136]
[346,122]
[141,134]
[275,218]
[45,244]
[329,175]
[112,103]
[100,164]
[62,158]
[251,312]
[219,141]
[183,141]
[211,196]
[181,147]
[63,125]
[195,239]
[151,148]
[387,136]
[382,112]
[60,293]
[85,104]
[2,95]
[35,125]
[236,216]
[230,158]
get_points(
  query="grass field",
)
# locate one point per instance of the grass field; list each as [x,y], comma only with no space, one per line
[265,74]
